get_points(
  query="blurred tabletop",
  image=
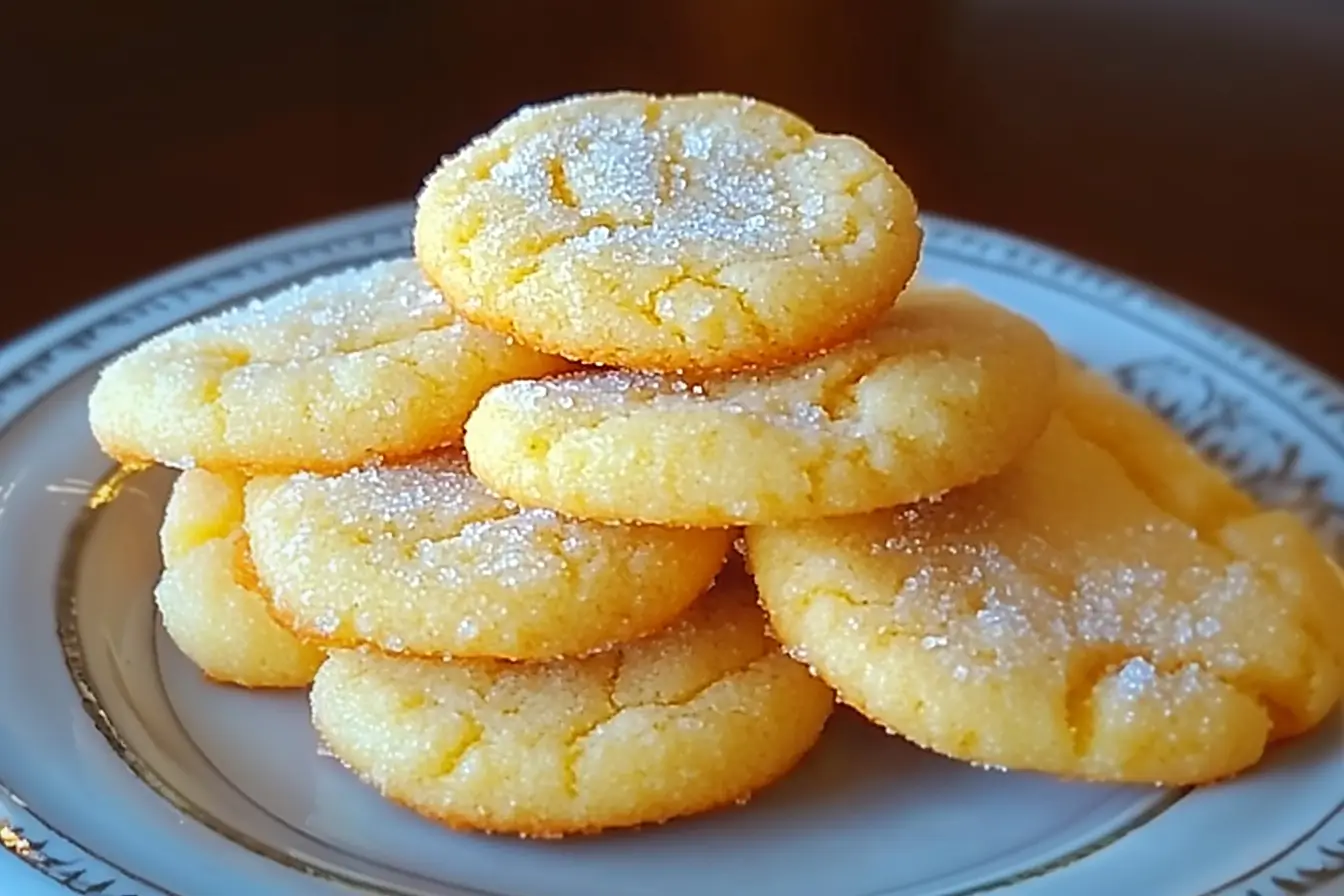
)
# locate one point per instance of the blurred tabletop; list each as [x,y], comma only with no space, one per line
[1197,144]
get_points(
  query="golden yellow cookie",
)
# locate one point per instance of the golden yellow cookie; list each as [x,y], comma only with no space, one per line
[662,233]
[422,558]
[945,389]
[1106,608]
[208,595]
[698,716]
[358,365]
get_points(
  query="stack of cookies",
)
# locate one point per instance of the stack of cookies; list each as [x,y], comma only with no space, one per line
[486,500]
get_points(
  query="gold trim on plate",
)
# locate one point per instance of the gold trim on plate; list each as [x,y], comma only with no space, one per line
[110,486]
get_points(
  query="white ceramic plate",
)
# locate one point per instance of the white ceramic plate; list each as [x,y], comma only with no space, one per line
[123,773]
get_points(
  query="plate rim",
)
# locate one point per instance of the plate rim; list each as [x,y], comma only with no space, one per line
[25,360]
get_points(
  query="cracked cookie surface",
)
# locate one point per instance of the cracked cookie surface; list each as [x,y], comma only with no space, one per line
[362,364]
[667,233]
[422,558]
[946,388]
[697,716]
[208,597]
[1108,607]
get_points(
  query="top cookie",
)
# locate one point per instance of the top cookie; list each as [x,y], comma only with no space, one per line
[363,364]
[688,232]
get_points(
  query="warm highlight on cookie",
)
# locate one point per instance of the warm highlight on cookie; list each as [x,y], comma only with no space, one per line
[698,716]
[208,598]
[423,558]
[667,233]
[359,365]
[1105,608]
[945,389]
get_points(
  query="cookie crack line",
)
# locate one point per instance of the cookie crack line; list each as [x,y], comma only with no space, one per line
[1111,659]
[412,366]
[451,760]
[575,744]
[713,280]
[381,342]
[653,113]
[560,189]
[1081,678]
[671,161]
[709,280]
[837,399]
[515,277]
[180,349]
[854,187]
[355,532]
[1210,539]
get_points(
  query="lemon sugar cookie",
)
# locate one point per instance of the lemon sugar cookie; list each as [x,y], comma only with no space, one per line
[1102,609]
[667,233]
[365,363]
[420,557]
[946,388]
[208,597]
[697,716]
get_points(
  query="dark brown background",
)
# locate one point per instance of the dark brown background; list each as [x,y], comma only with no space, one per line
[1195,143]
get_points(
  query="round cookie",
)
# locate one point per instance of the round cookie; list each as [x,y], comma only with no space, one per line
[208,596]
[358,365]
[421,558]
[698,716]
[945,389]
[1069,615]
[667,233]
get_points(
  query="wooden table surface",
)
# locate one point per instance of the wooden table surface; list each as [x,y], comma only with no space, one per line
[1198,144]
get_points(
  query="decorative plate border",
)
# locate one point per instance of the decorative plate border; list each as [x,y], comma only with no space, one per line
[83,874]
[91,700]
[200,285]
[1325,865]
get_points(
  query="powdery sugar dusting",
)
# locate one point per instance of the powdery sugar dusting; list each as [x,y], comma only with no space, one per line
[1137,677]
[993,586]
[351,310]
[654,191]
[814,398]
[406,515]
[978,601]
[423,557]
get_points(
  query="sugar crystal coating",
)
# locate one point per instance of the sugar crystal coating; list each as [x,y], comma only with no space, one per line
[945,389]
[348,367]
[703,231]
[1064,617]
[420,557]
[699,715]
[208,598]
